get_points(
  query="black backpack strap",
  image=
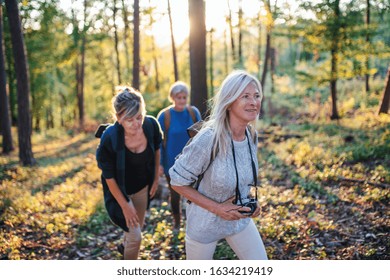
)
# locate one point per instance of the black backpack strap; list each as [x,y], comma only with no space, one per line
[99,131]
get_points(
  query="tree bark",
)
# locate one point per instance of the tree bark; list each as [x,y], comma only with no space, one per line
[23,85]
[386,96]
[259,46]
[174,56]
[225,52]
[211,60]
[125,35]
[116,41]
[367,76]
[240,14]
[266,59]
[198,55]
[231,34]
[334,61]
[136,47]
[5,120]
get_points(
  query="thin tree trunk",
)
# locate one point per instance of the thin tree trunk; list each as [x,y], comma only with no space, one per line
[240,14]
[125,38]
[5,120]
[154,52]
[118,63]
[225,52]
[266,59]
[272,64]
[231,34]
[136,47]
[10,73]
[334,62]
[259,46]
[268,44]
[23,85]
[155,61]
[81,71]
[367,76]
[198,55]
[386,96]
[176,72]
[211,58]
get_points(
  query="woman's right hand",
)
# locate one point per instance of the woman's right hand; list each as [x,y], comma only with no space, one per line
[229,211]
[130,214]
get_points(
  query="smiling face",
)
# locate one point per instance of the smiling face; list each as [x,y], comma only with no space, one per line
[132,125]
[247,106]
[180,101]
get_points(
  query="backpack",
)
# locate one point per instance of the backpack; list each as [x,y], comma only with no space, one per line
[167,120]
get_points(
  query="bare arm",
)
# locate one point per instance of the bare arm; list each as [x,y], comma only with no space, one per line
[226,210]
[127,208]
[156,173]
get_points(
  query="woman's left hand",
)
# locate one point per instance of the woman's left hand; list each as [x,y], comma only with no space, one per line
[153,189]
[257,211]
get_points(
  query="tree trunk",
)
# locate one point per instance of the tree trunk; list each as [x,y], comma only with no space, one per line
[386,96]
[176,72]
[154,53]
[225,52]
[125,35]
[198,55]
[116,41]
[231,34]
[81,71]
[211,58]
[155,61]
[367,76]
[23,86]
[10,74]
[136,47]
[259,47]
[240,14]
[5,120]
[334,61]
[266,59]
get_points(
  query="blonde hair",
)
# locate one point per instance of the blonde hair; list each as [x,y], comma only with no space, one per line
[177,88]
[127,103]
[230,90]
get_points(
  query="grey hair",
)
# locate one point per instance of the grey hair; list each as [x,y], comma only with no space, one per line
[177,88]
[128,102]
[230,90]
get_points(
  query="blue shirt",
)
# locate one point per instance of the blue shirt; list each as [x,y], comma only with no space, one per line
[177,135]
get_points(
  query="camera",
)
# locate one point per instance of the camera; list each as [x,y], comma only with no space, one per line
[248,202]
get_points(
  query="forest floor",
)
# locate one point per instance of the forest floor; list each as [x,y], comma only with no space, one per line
[324,194]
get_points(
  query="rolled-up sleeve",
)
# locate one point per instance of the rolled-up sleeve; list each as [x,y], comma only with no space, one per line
[106,158]
[193,160]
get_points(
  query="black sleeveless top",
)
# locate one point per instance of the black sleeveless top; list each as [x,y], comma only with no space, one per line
[136,173]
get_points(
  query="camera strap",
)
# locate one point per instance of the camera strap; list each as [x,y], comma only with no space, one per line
[238,193]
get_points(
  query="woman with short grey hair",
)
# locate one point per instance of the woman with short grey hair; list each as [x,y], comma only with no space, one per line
[174,121]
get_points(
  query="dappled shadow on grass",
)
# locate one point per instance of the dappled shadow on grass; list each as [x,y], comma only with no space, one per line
[52,182]
[308,214]
[84,146]
[42,206]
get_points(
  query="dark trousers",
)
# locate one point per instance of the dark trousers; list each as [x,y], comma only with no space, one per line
[174,198]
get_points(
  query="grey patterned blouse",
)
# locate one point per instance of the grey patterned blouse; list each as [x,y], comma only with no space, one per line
[218,184]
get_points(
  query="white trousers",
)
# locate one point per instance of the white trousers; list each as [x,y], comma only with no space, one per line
[247,245]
